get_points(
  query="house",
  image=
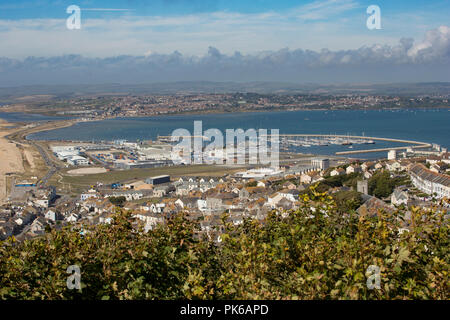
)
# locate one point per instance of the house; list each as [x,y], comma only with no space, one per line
[289,185]
[38,226]
[404,164]
[291,195]
[44,197]
[276,199]
[367,175]
[368,166]
[237,219]
[105,218]
[435,168]
[430,182]
[213,204]
[337,172]
[190,203]
[72,217]
[433,159]
[159,192]
[305,178]
[179,203]
[182,189]
[152,222]
[129,195]
[51,215]
[373,206]
[393,165]
[399,197]
[27,215]
[92,193]
[379,165]
[6,231]
[244,194]
[285,204]
[316,178]
[439,167]
[353,168]
[157,207]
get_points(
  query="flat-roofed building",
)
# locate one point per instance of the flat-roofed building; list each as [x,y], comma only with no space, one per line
[158,180]
[320,163]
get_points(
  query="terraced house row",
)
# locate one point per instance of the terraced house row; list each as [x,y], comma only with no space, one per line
[430,182]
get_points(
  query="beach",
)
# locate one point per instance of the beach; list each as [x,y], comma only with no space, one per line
[11,160]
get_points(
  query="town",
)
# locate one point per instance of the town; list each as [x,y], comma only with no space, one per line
[34,208]
[95,107]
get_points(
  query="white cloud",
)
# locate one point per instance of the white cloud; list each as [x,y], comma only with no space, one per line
[428,60]
[435,44]
[324,9]
[229,31]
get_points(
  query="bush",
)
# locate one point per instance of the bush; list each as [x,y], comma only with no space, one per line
[118,201]
[315,252]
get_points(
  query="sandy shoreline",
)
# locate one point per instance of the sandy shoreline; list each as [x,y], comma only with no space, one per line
[11,160]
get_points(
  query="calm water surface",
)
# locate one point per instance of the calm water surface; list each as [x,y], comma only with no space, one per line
[431,125]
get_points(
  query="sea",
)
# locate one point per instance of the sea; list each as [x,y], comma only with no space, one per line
[424,125]
[28,117]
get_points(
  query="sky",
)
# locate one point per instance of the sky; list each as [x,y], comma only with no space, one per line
[138,41]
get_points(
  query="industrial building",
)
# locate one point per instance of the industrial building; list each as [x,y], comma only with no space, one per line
[77,161]
[158,180]
[320,163]
[142,164]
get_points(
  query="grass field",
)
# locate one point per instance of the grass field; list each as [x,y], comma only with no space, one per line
[77,182]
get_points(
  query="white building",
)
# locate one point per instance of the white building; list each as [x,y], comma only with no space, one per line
[320,163]
[77,161]
[337,172]
[258,173]
[430,182]
[399,197]
[392,155]
[353,168]
[91,194]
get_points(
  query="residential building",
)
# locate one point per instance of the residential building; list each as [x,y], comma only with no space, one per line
[430,182]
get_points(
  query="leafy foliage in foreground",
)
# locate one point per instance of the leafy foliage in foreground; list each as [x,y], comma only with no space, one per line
[314,253]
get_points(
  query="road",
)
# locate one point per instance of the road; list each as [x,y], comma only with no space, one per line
[53,168]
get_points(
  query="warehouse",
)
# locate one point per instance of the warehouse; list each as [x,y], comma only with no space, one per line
[158,180]
[77,161]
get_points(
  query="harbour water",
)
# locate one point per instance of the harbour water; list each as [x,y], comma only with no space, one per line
[424,125]
[28,117]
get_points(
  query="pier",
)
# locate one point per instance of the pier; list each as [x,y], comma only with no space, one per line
[411,143]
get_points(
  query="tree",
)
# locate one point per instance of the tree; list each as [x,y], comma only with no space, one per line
[381,185]
[315,252]
[118,201]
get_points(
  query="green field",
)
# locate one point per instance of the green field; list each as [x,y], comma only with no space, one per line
[136,174]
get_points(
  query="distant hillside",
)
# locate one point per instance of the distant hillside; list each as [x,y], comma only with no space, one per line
[66,91]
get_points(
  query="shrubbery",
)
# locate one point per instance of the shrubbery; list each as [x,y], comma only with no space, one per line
[314,253]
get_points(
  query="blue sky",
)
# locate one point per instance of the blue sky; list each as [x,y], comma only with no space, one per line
[19,9]
[246,35]
[191,26]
